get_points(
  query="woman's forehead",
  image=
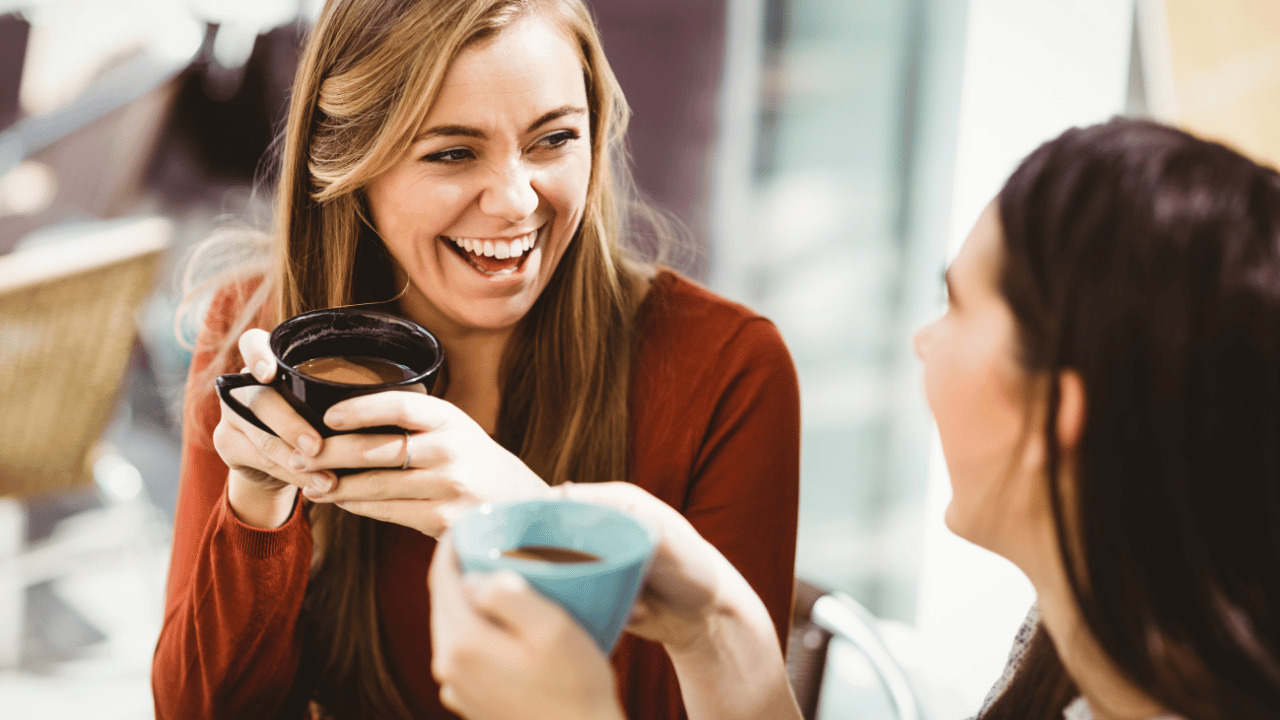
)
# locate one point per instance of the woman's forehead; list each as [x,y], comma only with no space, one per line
[531,63]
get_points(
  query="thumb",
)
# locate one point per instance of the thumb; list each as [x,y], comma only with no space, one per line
[255,348]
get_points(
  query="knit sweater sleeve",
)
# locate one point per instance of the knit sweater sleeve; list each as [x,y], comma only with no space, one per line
[230,645]
[745,493]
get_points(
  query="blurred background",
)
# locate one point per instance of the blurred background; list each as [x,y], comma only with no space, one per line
[827,157]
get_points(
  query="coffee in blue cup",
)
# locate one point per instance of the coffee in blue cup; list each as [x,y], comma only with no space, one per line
[590,559]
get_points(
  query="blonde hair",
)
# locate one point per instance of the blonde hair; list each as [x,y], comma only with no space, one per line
[367,77]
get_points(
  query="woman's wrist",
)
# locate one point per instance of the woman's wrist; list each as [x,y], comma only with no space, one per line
[733,667]
[725,619]
[729,606]
[258,505]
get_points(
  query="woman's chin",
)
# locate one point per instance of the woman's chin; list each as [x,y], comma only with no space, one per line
[495,319]
[960,524]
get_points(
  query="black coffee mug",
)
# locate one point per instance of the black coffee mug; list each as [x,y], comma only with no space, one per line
[345,333]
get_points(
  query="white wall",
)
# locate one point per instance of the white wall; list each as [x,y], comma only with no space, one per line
[1032,69]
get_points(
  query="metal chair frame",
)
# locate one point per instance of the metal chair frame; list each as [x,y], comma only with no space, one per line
[821,616]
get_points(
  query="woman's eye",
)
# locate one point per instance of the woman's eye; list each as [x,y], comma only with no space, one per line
[452,155]
[558,139]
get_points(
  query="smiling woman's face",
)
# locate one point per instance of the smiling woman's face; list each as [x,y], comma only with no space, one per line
[480,209]
[978,394]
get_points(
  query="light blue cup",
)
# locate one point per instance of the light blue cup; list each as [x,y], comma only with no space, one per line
[599,594]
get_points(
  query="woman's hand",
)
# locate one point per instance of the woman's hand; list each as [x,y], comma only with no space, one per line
[424,478]
[713,626]
[689,584]
[262,483]
[501,650]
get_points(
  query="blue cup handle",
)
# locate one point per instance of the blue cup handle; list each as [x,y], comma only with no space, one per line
[226,383]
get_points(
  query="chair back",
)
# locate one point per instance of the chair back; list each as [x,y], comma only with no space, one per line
[821,618]
[806,649]
[67,328]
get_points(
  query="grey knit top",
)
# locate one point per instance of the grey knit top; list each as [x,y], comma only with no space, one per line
[1077,709]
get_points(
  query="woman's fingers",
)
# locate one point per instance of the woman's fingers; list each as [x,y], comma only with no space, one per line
[383,485]
[241,446]
[687,573]
[453,620]
[382,450]
[444,566]
[457,629]
[255,348]
[429,518]
[291,431]
[508,600]
[624,496]
[497,643]
[409,410]
[274,455]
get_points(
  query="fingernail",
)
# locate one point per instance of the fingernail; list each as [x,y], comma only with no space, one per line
[262,370]
[297,461]
[309,445]
[334,419]
[319,483]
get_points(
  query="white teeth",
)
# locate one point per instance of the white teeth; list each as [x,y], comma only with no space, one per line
[499,249]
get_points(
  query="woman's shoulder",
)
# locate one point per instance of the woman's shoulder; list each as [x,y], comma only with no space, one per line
[684,323]
[234,297]
[678,306]
[225,276]
[219,307]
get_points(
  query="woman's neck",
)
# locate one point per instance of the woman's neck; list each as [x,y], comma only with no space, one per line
[1111,695]
[474,359]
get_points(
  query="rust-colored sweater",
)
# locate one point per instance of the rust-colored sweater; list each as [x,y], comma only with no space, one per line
[715,432]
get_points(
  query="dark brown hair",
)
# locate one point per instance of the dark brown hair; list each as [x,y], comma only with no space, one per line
[1148,261]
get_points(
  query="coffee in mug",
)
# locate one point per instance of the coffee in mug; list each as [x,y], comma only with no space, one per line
[355,370]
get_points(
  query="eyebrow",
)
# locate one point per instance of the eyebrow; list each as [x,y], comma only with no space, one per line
[467,131]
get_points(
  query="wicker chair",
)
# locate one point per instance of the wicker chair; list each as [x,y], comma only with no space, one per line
[820,619]
[66,333]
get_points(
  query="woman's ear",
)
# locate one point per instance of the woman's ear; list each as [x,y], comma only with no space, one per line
[1071,410]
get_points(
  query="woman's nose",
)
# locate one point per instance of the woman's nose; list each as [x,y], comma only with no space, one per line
[510,194]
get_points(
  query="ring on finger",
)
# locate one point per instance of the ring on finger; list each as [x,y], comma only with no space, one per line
[407,457]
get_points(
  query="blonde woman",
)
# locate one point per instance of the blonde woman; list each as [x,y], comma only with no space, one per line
[455,161]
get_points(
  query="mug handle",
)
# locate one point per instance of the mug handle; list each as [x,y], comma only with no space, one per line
[226,383]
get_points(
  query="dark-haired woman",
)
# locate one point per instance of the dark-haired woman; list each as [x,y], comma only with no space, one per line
[1106,384]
